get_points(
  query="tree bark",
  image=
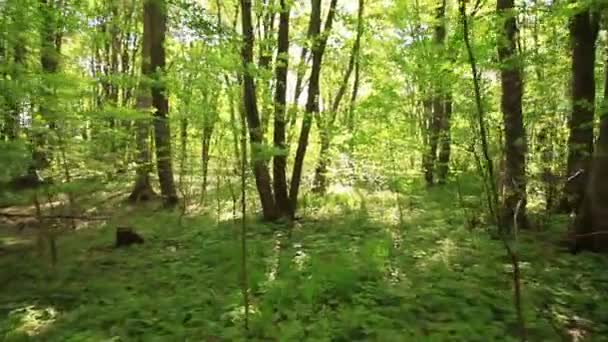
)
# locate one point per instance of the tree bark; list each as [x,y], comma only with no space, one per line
[156,22]
[511,105]
[445,141]
[50,52]
[12,126]
[312,103]
[438,122]
[280,100]
[260,163]
[142,190]
[583,34]
[591,224]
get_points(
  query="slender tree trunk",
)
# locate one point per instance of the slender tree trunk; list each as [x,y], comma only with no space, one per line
[433,111]
[327,123]
[156,22]
[280,100]
[260,163]
[445,141]
[442,103]
[312,104]
[208,129]
[142,189]
[583,34]
[12,125]
[489,175]
[511,104]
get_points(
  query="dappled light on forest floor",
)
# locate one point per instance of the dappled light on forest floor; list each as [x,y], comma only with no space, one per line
[356,275]
[31,320]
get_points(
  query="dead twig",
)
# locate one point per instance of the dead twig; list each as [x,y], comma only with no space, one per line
[51,217]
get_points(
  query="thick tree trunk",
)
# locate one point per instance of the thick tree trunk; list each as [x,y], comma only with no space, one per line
[142,190]
[156,22]
[280,100]
[592,221]
[260,163]
[591,225]
[312,104]
[514,201]
[437,115]
[583,32]
[50,52]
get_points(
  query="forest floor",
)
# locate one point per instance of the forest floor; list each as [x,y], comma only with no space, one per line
[357,266]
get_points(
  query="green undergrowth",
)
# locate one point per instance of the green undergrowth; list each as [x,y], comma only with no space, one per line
[362,268]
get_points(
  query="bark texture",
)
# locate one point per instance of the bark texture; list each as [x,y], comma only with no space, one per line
[155,20]
[250,105]
[591,224]
[280,102]
[438,125]
[142,190]
[583,34]
[514,201]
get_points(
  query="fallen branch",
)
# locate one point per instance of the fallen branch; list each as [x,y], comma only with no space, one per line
[51,217]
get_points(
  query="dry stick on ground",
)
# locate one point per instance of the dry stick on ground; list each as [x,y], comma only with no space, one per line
[51,217]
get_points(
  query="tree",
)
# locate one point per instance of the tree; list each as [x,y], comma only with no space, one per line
[584,28]
[142,190]
[514,201]
[50,52]
[312,103]
[250,105]
[280,103]
[155,23]
[591,224]
[439,123]
[326,122]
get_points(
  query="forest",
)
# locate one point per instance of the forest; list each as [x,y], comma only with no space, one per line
[303,170]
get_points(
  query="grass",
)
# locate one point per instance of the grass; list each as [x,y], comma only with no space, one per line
[354,268]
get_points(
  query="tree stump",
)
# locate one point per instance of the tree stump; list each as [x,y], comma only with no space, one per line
[126,236]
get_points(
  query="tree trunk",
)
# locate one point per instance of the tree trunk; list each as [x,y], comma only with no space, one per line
[583,35]
[12,125]
[437,121]
[312,104]
[442,101]
[260,163]
[50,52]
[514,201]
[591,225]
[156,22]
[280,100]
[142,190]
[326,125]
[433,112]
[445,141]
[489,174]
